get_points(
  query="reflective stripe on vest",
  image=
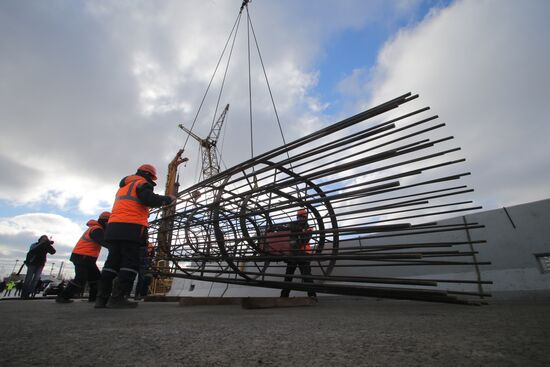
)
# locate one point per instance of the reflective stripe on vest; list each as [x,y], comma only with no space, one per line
[86,245]
[128,208]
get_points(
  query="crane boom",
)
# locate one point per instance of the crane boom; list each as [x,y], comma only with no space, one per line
[217,127]
[192,134]
[210,164]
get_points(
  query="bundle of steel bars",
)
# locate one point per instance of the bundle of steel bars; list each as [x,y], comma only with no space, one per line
[378,193]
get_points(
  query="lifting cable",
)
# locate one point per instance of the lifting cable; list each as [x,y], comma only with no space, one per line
[266,79]
[232,37]
[251,27]
[249,86]
[235,26]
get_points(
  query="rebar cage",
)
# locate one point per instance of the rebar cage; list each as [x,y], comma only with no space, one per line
[377,190]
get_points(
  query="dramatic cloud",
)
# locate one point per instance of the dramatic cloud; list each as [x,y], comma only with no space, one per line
[89,90]
[16,177]
[482,66]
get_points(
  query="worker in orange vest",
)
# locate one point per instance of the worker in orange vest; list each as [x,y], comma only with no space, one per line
[126,232]
[84,257]
[300,235]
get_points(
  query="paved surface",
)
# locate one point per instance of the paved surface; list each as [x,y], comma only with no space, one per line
[332,333]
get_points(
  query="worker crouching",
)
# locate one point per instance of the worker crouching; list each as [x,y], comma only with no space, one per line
[84,257]
[126,232]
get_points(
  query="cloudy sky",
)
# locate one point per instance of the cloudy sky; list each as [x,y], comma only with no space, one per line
[89,90]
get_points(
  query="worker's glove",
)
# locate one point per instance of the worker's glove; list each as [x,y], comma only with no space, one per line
[171,199]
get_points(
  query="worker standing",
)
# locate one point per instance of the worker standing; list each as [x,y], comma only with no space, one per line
[35,261]
[300,237]
[9,286]
[126,232]
[18,288]
[84,257]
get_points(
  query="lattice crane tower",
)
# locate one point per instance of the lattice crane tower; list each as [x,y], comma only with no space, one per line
[210,164]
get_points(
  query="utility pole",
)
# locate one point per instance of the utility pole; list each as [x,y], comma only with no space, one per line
[60,269]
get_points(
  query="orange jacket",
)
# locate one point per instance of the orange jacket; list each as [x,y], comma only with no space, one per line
[306,247]
[128,208]
[86,245]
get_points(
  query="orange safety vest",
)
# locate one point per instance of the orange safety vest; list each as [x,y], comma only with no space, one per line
[127,207]
[86,245]
[306,248]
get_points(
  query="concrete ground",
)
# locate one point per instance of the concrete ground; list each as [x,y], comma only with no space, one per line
[343,332]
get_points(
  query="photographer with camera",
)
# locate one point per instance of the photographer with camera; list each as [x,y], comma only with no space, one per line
[35,261]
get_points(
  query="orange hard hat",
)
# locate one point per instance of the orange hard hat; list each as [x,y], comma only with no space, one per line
[149,168]
[104,216]
[301,212]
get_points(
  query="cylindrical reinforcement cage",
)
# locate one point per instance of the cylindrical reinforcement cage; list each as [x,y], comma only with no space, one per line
[377,190]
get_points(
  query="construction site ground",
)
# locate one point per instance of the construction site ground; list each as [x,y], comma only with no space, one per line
[334,332]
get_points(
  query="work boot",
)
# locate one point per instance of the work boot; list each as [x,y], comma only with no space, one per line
[61,299]
[92,295]
[105,286]
[66,294]
[119,298]
[100,302]
[121,302]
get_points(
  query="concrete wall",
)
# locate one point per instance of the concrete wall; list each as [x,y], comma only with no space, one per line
[512,245]
[513,240]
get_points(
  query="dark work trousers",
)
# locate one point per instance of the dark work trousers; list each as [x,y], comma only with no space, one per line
[7,292]
[144,277]
[18,288]
[31,280]
[305,269]
[122,261]
[144,280]
[86,270]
